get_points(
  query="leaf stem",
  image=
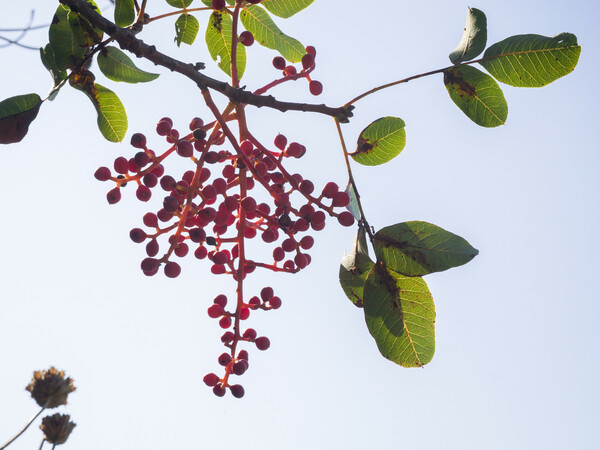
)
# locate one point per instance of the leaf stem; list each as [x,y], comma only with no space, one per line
[23,430]
[181,11]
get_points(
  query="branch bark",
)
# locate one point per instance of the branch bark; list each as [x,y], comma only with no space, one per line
[128,41]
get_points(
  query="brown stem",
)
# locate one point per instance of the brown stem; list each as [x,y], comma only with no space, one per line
[128,41]
[23,430]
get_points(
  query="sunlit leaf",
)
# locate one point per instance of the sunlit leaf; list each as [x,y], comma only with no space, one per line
[218,40]
[400,316]
[285,8]
[353,204]
[531,60]
[67,51]
[180,3]
[49,61]
[473,39]
[112,118]
[266,33]
[124,12]
[16,114]
[419,248]
[477,95]
[186,29]
[380,142]
[355,268]
[117,66]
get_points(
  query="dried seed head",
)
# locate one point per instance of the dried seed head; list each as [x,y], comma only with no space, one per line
[49,388]
[57,428]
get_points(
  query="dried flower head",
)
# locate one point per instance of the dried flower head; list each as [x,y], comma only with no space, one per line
[49,388]
[57,428]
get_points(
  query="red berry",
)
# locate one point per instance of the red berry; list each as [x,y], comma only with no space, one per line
[308,61]
[218,4]
[262,343]
[346,219]
[294,150]
[243,354]
[266,294]
[172,269]
[307,242]
[137,235]
[246,38]
[249,204]
[152,247]
[121,165]
[227,337]
[163,127]
[102,174]
[306,187]
[237,390]
[143,193]
[150,180]
[310,49]
[244,313]
[225,322]
[301,260]
[113,196]
[224,359]
[138,140]
[340,199]
[317,218]
[250,334]
[275,302]
[211,379]
[181,250]
[330,189]
[247,147]
[279,62]
[150,220]
[280,141]
[185,148]
[240,367]
[278,254]
[289,71]
[315,87]
[219,390]
[220,299]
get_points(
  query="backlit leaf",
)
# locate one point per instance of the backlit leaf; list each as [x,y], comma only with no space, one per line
[285,8]
[266,33]
[117,66]
[218,40]
[531,60]
[186,29]
[124,12]
[67,51]
[180,3]
[353,205]
[355,268]
[49,61]
[473,39]
[16,113]
[419,248]
[477,95]
[380,142]
[400,316]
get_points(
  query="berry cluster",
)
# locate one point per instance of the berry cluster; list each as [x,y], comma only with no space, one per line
[211,211]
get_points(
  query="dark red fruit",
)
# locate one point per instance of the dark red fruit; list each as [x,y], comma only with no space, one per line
[307,242]
[225,322]
[246,38]
[315,87]
[172,269]
[211,379]
[306,187]
[267,293]
[224,359]
[279,62]
[163,127]
[138,140]
[143,193]
[185,148]
[308,61]
[113,196]
[280,140]
[102,174]
[289,71]
[237,390]
[240,367]
[275,302]
[346,219]
[340,199]
[262,343]
[218,4]
[121,165]
[310,49]
[152,248]
[219,390]
[137,235]
[330,189]
[294,150]
[250,333]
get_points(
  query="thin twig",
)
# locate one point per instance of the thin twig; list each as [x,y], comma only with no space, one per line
[23,430]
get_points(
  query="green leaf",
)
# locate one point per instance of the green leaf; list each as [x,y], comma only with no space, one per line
[266,33]
[473,39]
[477,95]
[180,3]
[400,316]
[112,118]
[285,8]
[209,2]
[186,29]
[117,66]
[419,248]
[355,268]
[49,61]
[380,142]
[124,12]
[67,51]
[353,205]
[218,40]
[531,60]
[16,113]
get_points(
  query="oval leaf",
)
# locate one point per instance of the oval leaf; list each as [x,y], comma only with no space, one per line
[355,268]
[380,142]
[285,8]
[259,23]
[67,51]
[473,39]
[124,12]
[418,248]
[186,29]
[49,61]
[353,204]
[477,95]
[400,316]
[531,60]
[16,113]
[117,66]
[218,40]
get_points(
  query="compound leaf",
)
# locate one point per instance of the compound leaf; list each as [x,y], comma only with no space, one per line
[400,316]
[477,95]
[218,41]
[419,248]
[355,268]
[380,142]
[285,8]
[186,29]
[117,66]
[473,39]
[531,60]
[259,23]
[16,113]
[124,12]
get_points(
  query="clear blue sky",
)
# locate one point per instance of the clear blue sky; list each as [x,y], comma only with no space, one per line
[516,364]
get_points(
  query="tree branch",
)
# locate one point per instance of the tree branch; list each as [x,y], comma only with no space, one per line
[128,41]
